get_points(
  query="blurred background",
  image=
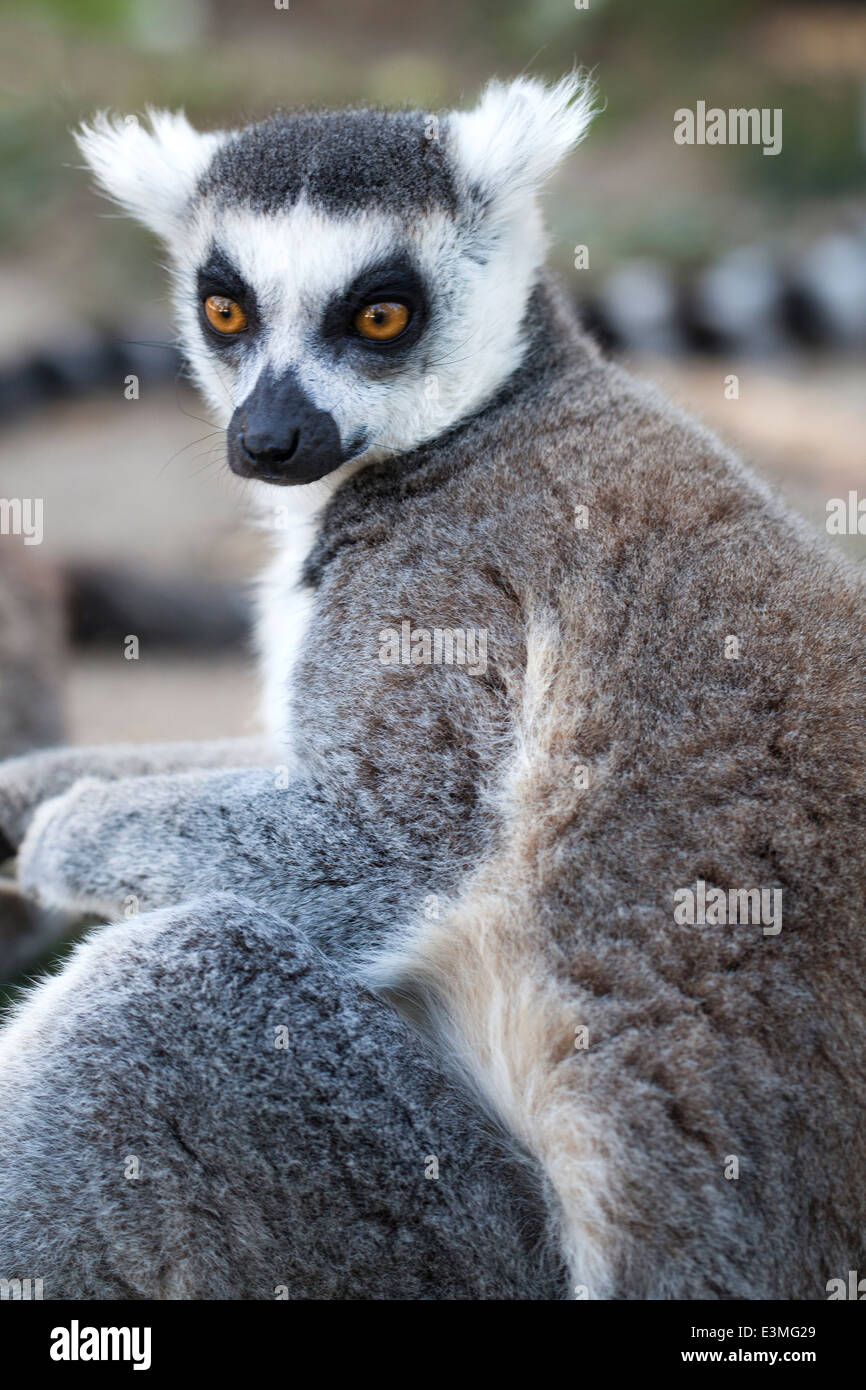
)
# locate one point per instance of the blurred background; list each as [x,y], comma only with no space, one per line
[699,264]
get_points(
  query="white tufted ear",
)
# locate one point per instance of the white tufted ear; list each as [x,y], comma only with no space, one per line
[150,172]
[519,132]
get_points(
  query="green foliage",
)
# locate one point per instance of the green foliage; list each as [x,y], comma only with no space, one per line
[32,150]
[823,144]
[107,16]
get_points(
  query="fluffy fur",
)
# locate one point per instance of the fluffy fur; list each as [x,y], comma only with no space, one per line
[313,1177]
[496,853]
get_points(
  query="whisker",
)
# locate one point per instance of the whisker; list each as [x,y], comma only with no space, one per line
[182,450]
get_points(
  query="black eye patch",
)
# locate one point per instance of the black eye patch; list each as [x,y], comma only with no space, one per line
[220,276]
[393,280]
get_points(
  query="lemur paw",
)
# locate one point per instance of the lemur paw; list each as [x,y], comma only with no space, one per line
[18,782]
[25,783]
[70,855]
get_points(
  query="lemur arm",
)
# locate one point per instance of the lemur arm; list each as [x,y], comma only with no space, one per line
[289,844]
[27,781]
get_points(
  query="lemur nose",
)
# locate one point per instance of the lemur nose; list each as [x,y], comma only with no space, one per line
[280,436]
[268,453]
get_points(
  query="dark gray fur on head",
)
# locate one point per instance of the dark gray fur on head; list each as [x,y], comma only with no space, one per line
[339,160]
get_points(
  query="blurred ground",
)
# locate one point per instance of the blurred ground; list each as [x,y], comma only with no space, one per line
[154,498]
[111,701]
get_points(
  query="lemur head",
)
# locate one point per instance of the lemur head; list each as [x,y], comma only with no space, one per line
[348,283]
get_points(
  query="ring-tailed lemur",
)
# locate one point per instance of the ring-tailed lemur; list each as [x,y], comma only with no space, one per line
[568,759]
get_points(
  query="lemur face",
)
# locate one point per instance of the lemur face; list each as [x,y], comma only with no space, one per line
[349,284]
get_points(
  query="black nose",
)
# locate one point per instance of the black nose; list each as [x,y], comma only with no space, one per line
[267,455]
[279,436]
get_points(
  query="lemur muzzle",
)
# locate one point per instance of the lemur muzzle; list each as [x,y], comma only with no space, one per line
[279,436]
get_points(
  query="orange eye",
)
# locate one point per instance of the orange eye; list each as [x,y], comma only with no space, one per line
[225,315]
[381,322]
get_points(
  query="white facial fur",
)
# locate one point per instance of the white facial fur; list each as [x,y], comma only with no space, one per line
[297,260]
